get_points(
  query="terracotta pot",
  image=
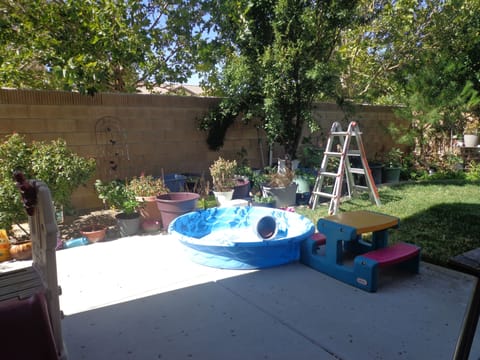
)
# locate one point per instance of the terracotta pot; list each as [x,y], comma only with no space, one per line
[21,250]
[149,209]
[150,225]
[94,233]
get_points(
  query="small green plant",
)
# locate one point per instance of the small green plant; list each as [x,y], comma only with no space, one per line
[223,174]
[310,176]
[311,155]
[243,166]
[473,173]
[260,199]
[147,185]
[117,196]
[393,158]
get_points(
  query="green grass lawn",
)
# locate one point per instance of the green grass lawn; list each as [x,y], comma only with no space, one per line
[443,218]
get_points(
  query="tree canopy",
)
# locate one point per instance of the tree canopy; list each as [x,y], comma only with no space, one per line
[424,55]
[103,45]
[277,58]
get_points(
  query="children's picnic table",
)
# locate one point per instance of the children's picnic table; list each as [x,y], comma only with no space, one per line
[343,233]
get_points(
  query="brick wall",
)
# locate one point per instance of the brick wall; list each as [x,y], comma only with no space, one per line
[129,134]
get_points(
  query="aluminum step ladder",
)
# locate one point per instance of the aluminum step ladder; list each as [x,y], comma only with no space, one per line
[337,167]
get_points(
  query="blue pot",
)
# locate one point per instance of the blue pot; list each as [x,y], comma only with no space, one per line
[175,182]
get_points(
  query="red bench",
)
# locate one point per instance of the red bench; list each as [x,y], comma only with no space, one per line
[319,239]
[393,254]
[366,265]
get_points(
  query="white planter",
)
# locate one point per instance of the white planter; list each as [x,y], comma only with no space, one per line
[470,140]
[223,197]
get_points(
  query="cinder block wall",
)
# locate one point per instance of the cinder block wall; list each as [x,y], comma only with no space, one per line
[129,134]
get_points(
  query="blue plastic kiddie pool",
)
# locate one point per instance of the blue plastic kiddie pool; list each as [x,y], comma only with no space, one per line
[244,237]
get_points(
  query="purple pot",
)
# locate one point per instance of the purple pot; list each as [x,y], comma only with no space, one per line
[174,204]
[241,189]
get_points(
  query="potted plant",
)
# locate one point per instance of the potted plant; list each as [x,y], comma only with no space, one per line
[174,204]
[93,232]
[118,196]
[305,181]
[243,176]
[470,133]
[392,166]
[281,187]
[223,177]
[146,189]
[265,201]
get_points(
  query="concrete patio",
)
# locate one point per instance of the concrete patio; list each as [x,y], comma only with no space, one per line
[141,298]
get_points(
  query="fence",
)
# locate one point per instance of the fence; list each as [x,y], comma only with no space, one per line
[156,134]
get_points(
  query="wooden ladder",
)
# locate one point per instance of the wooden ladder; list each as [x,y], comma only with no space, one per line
[336,165]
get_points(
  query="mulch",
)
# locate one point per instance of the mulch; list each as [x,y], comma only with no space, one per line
[71,226]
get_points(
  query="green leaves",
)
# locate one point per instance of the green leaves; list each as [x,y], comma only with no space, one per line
[278,59]
[117,195]
[53,163]
[102,45]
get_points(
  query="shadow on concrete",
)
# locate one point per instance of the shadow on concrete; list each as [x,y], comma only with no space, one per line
[287,312]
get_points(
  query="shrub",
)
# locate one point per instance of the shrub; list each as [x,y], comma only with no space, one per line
[61,169]
[53,163]
[147,185]
[473,173]
[223,174]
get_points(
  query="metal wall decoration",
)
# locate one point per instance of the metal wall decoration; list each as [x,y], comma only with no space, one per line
[112,148]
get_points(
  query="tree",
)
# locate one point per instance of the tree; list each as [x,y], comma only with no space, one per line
[278,57]
[104,45]
[422,54]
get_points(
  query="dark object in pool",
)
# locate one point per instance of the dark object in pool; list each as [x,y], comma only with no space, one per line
[266,227]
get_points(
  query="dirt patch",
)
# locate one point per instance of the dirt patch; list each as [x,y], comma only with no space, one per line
[71,226]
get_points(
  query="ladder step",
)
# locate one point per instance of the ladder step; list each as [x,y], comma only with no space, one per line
[323,194]
[357,171]
[329,174]
[363,188]
[354,153]
[342,133]
[332,153]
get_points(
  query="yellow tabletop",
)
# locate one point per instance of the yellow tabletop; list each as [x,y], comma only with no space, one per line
[364,221]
